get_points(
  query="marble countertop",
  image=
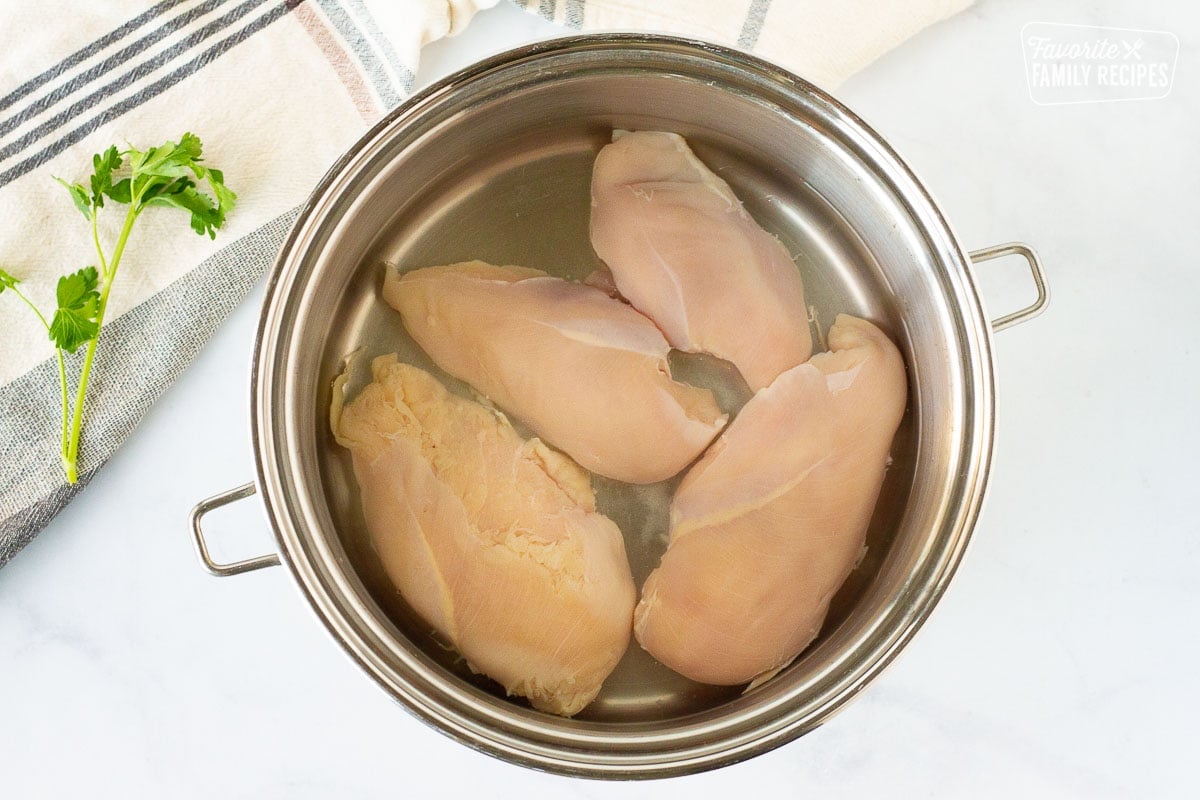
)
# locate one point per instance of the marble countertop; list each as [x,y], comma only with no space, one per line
[126,670]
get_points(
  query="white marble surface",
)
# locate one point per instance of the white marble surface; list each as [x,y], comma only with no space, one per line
[1060,664]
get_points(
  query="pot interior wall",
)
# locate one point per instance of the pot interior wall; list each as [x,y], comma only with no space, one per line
[499,169]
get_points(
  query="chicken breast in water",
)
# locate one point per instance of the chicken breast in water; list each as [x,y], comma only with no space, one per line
[686,254]
[767,526]
[493,540]
[585,372]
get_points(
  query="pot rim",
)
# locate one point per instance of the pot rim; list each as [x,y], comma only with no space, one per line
[581,754]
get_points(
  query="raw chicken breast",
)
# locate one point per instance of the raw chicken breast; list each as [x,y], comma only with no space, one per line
[686,254]
[766,527]
[493,540]
[586,372]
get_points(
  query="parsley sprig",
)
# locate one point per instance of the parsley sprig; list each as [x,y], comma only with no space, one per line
[168,175]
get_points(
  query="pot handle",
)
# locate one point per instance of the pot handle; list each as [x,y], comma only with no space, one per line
[236,567]
[1035,268]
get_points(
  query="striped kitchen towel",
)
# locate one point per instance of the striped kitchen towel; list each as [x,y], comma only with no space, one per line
[824,41]
[276,89]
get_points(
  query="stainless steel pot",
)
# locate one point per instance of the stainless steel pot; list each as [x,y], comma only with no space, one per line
[494,163]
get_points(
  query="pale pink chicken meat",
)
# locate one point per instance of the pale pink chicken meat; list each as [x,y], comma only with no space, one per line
[685,253]
[768,525]
[585,372]
[493,540]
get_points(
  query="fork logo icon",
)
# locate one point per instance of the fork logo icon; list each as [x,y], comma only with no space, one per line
[1133,49]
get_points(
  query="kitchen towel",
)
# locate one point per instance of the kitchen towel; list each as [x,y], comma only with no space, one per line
[276,89]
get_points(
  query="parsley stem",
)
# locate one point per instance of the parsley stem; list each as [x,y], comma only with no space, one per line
[62,381]
[62,367]
[32,307]
[71,444]
[96,241]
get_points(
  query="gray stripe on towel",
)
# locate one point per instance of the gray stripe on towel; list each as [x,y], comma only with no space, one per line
[118,59]
[756,15]
[407,79]
[126,80]
[150,92]
[574,17]
[389,93]
[86,52]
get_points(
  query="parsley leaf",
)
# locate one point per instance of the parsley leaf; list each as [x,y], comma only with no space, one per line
[207,216]
[155,169]
[119,191]
[172,160]
[80,195]
[7,281]
[168,175]
[104,165]
[75,322]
